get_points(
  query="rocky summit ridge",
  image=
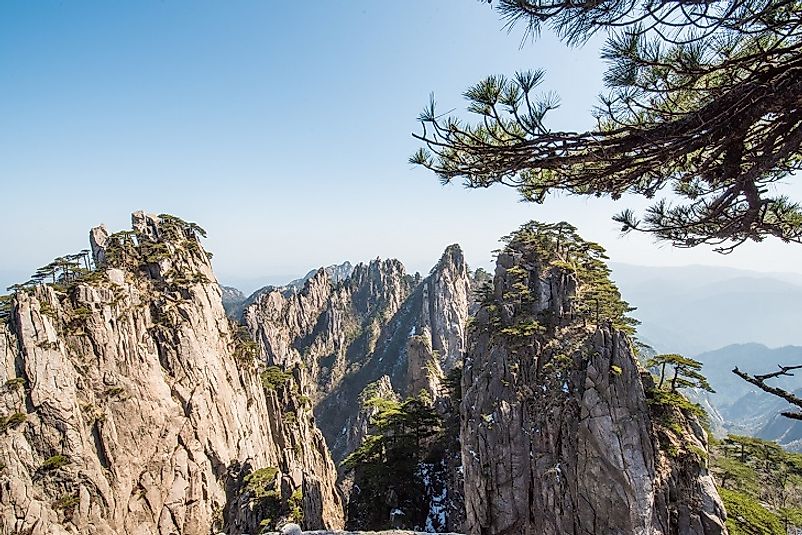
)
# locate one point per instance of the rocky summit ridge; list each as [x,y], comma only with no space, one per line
[350,332]
[133,404]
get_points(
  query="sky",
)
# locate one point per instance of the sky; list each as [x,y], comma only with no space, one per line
[283,128]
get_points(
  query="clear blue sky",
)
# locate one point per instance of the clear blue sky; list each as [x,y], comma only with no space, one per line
[283,128]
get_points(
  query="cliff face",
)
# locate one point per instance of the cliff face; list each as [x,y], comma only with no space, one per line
[377,332]
[379,321]
[131,404]
[560,432]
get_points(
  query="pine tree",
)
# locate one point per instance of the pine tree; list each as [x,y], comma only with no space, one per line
[704,100]
[687,372]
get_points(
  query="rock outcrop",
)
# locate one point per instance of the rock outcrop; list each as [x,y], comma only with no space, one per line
[379,321]
[561,430]
[132,405]
[383,330]
[335,272]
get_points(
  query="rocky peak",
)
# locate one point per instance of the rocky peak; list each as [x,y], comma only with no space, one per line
[551,386]
[336,273]
[380,321]
[232,299]
[380,285]
[97,241]
[446,299]
[138,406]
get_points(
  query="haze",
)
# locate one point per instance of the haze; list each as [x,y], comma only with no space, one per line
[282,128]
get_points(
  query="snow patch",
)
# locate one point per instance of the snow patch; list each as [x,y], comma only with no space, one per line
[437,492]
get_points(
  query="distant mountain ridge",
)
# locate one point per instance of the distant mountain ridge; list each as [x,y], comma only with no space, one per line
[743,408]
[694,309]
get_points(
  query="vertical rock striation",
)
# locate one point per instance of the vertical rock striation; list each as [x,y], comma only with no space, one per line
[137,407]
[378,331]
[379,321]
[560,431]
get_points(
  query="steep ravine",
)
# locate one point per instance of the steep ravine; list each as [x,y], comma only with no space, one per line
[131,405]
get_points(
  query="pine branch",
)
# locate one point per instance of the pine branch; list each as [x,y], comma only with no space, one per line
[760,382]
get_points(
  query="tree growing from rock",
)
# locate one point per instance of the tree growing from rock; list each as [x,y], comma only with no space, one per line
[686,372]
[387,465]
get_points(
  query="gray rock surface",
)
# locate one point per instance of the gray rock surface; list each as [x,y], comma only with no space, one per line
[557,432]
[379,321]
[336,273]
[136,408]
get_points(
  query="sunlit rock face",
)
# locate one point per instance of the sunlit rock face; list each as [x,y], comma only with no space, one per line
[378,321]
[558,432]
[376,332]
[136,406]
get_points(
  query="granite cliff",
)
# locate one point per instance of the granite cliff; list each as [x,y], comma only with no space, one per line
[562,432]
[376,333]
[133,405]
[349,333]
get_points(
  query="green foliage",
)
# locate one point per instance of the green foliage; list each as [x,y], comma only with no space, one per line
[262,483]
[6,306]
[699,452]
[686,372]
[389,456]
[761,485]
[289,418]
[264,489]
[665,395]
[665,399]
[17,383]
[13,420]
[81,312]
[55,462]
[46,309]
[746,516]
[698,115]
[274,377]
[176,229]
[295,504]
[524,329]
[154,252]
[61,273]
[736,475]
[66,503]
[246,350]
[554,247]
